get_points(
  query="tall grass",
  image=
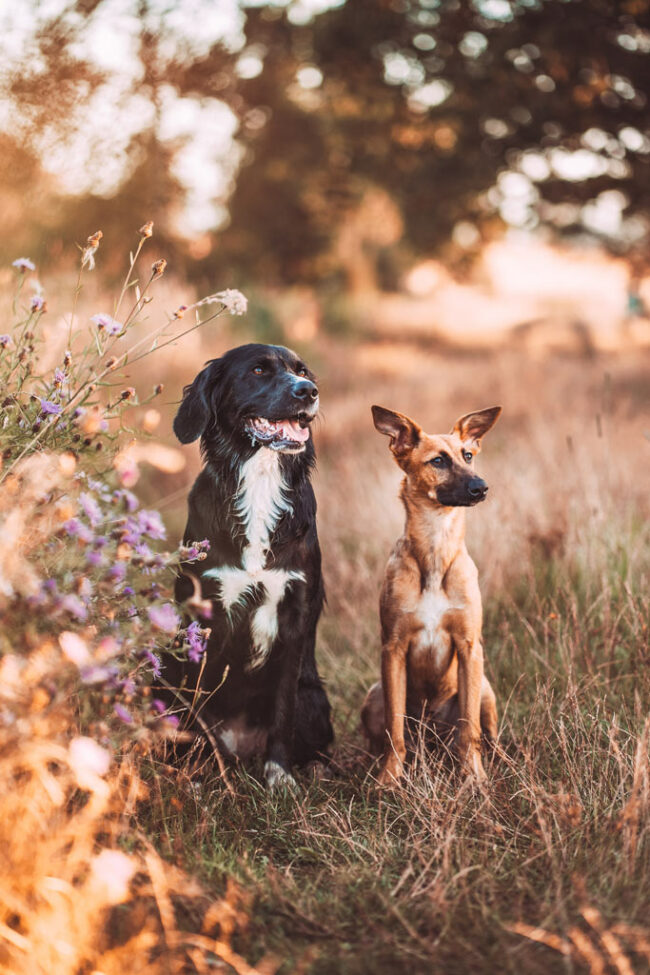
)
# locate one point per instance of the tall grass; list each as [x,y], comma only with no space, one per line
[547,869]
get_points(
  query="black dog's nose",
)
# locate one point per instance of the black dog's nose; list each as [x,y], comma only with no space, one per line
[305,390]
[477,488]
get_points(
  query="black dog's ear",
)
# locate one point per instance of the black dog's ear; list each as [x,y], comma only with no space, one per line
[195,409]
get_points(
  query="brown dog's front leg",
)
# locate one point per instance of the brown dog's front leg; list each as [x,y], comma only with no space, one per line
[393,678]
[470,683]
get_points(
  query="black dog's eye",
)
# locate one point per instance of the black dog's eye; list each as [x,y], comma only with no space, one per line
[302,371]
[258,370]
[469,457]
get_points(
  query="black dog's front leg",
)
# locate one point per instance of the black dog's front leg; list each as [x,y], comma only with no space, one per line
[293,621]
[277,768]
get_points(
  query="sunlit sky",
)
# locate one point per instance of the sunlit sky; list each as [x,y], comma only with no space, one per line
[203,130]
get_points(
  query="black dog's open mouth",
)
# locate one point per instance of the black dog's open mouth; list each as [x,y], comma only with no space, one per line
[280,434]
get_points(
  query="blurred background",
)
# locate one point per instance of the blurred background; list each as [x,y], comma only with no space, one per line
[422,167]
[441,204]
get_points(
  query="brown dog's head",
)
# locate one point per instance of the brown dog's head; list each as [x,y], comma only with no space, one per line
[439,467]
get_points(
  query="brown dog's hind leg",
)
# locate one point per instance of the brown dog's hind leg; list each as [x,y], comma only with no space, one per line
[489,725]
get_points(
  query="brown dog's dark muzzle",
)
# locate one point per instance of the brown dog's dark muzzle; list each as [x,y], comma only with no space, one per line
[477,489]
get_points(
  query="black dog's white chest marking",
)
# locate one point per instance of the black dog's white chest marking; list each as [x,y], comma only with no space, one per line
[261,501]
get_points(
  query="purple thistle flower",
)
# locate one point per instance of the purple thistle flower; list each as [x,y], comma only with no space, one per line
[73,605]
[164,618]
[59,377]
[76,529]
[158,705]
[94,558]
[128,591]
[107,323]
[38,303]
[5,340]
[117,572]
[23,264]
[130,501]
[90,508]
[172,719]
[196,642]
[143,550]
[153,660]
[150,523]
[48,407]
[123,714]
[98,675]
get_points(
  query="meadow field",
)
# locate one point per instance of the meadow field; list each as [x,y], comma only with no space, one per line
[545,870]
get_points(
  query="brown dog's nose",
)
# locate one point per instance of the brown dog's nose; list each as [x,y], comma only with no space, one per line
[477,488]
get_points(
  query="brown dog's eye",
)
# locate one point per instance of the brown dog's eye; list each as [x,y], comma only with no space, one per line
[469,457]
[438,461]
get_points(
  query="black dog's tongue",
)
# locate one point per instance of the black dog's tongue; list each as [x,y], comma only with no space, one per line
[292,430]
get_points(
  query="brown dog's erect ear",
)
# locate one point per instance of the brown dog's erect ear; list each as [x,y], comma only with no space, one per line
[473,426]
[403,432]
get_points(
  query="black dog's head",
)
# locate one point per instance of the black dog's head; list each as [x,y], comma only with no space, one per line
[257,395]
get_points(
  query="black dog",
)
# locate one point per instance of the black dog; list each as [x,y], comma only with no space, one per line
[258,690]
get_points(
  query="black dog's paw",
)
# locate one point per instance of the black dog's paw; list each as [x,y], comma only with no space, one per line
[278,778]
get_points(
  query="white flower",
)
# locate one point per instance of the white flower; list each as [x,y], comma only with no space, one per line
[74,648]
[23,264]
[111,872]
[234,300]
[89,762]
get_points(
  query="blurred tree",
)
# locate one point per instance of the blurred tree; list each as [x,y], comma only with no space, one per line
[469,115]
[372,132]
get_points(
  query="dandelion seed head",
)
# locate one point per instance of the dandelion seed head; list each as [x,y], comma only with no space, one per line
[235,301]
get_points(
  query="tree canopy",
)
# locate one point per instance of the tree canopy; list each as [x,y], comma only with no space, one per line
[425,125]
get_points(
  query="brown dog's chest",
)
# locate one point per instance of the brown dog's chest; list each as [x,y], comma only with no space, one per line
[430,650]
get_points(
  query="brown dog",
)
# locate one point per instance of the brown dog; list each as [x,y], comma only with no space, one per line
[430,603]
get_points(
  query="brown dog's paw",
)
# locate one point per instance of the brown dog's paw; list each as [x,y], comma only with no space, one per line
[472,769]
[390,773]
